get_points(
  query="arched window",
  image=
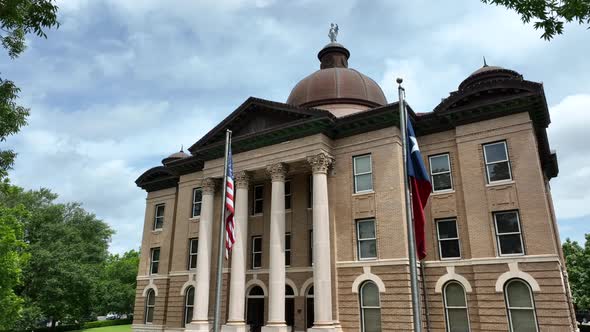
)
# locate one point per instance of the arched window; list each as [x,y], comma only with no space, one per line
[150,305]
[521,306]
[189,304]
[456,312]
[370,307]
[256,292]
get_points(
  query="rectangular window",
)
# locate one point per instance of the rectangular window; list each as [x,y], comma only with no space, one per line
[256,262]
[310,247]
[448,239]
[363,173]
[154,260]
[366,239]
[193,246]
[288,195]
[197,199]
[440,172]
[288,249]
[508,233]
[310,192]
[497,162]
[159,217]
[258,199]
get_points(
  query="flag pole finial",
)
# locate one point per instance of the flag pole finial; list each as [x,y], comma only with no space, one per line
[399,80]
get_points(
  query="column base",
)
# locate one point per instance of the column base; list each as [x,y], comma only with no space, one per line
[276,328]
[198,326]
[238,327]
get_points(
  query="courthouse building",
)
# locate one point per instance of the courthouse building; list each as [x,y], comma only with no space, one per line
[320,213]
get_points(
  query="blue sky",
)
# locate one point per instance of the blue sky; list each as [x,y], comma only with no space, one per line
[122,84]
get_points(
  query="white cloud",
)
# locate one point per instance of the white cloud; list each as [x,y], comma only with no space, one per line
[122,84]
[568,134]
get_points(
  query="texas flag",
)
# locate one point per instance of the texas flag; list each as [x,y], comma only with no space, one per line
[420,189]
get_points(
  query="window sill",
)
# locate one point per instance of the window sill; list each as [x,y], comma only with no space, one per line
[361,193]
[288,210]
[450,259]
[500,183]
[195,218]
[157,231]
[257,215]
[368,259]
[443,192]
[511,255]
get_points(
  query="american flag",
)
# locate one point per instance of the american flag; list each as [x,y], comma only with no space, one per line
[229,206]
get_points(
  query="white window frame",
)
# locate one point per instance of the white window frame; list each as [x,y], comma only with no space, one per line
[288,251]
[363,306]
[149,306]
[432,174]
[509,233]
[359,240]
[256,199]
[289,195]
[447,307]
[355,174]
[190,253]
[156,217]
[196,202]
[448,239]
[254,252]
[152,261]
[188,306]
[507,160]
[509,308]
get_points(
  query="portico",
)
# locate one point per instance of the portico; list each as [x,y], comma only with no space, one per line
[317,164]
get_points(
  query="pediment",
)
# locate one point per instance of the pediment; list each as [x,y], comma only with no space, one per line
[258,116]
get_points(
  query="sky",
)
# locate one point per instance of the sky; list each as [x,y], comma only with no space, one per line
[122,84]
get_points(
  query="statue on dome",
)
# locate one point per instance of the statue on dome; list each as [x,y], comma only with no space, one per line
[333,32]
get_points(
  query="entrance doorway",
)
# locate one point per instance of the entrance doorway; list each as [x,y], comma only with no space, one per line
[290,307]
[255,309]
[309,308]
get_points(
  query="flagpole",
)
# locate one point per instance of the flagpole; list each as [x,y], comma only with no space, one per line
[403,118]
[217,317]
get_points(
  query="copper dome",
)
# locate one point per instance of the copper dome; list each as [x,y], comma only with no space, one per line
[486,73]
[335,83]
[175,156]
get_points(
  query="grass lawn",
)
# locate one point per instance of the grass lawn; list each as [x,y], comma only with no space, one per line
[116,328]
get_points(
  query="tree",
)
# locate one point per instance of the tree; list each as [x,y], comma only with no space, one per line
[68,248]
[577,259]
[549,15]
[117,283]
[12,257]
[17,19]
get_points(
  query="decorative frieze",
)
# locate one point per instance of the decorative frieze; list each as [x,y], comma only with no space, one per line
[277,171]
[320,162]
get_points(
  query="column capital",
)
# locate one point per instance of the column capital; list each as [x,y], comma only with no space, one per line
[320,162]
[277,171]
[242,179]
[208,186]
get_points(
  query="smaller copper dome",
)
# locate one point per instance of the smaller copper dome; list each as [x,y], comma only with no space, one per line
[175,156]
[335,83]
[486,73]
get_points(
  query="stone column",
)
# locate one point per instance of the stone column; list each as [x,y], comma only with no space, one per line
[237,286]
[276,303]
[200,320]
[322,277]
